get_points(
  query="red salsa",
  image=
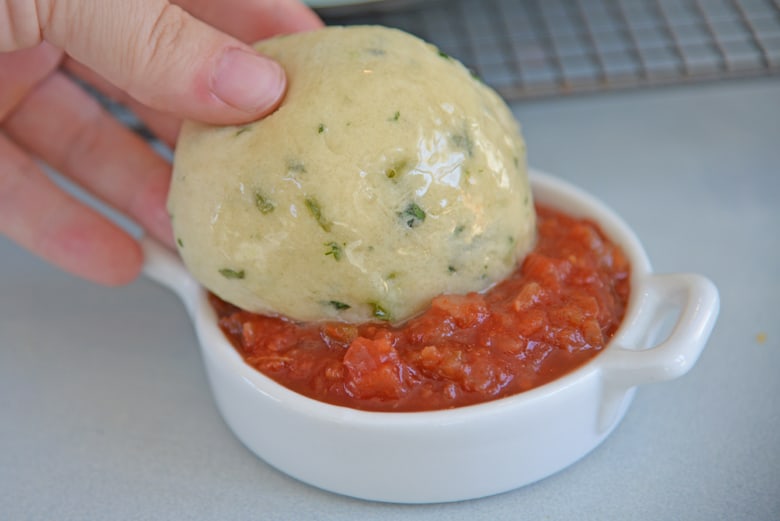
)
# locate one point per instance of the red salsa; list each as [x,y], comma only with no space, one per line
[554,313]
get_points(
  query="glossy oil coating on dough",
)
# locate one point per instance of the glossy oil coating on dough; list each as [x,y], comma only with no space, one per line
[388,175]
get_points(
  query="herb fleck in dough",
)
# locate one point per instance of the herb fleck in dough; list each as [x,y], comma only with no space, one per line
[387,176]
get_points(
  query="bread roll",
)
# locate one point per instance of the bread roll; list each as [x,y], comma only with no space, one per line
[388,175]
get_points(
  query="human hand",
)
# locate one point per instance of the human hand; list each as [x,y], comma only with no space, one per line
[161,61]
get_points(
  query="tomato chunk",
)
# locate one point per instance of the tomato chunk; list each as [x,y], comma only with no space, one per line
[557,310]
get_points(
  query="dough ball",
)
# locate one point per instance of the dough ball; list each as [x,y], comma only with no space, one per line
[387,176]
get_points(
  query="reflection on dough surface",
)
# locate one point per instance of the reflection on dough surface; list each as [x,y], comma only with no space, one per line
[387,176]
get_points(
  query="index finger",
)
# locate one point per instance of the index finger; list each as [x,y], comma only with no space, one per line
[166,58]
[253,20]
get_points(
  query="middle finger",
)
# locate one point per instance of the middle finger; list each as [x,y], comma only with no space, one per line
[67,128]
[163,126]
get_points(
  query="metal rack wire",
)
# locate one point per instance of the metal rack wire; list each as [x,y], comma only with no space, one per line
[533,48]
[528,49]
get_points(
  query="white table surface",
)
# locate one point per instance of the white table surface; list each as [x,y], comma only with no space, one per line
[105,411]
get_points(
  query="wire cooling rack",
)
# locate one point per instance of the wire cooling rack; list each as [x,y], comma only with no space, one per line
[534,48]
[527,49]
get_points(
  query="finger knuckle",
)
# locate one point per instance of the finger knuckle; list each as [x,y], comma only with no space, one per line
[167,30]
[84,137]
[159,46]
[21,72]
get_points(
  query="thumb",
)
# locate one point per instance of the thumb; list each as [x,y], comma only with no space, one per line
[167,59]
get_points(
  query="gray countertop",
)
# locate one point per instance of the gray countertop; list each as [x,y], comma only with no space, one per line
[105,411]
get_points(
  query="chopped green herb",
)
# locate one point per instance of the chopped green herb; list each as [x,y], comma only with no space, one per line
[296,166]
[232,274]
[444,55]
[243,129]
[264,204]
[396,116]
[335,250]
[459,229]
[451,269]
[316,212]
[463,141]
[392,276]
[321,128]
[339,305]
[412,215]
[380,312]
[475,76]
[179,242]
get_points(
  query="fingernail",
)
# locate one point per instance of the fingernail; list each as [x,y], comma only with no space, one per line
[248,81]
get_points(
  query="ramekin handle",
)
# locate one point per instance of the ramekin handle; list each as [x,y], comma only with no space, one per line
[164,267]
[634,358]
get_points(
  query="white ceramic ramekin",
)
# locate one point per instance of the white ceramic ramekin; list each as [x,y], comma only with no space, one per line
[473,451]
